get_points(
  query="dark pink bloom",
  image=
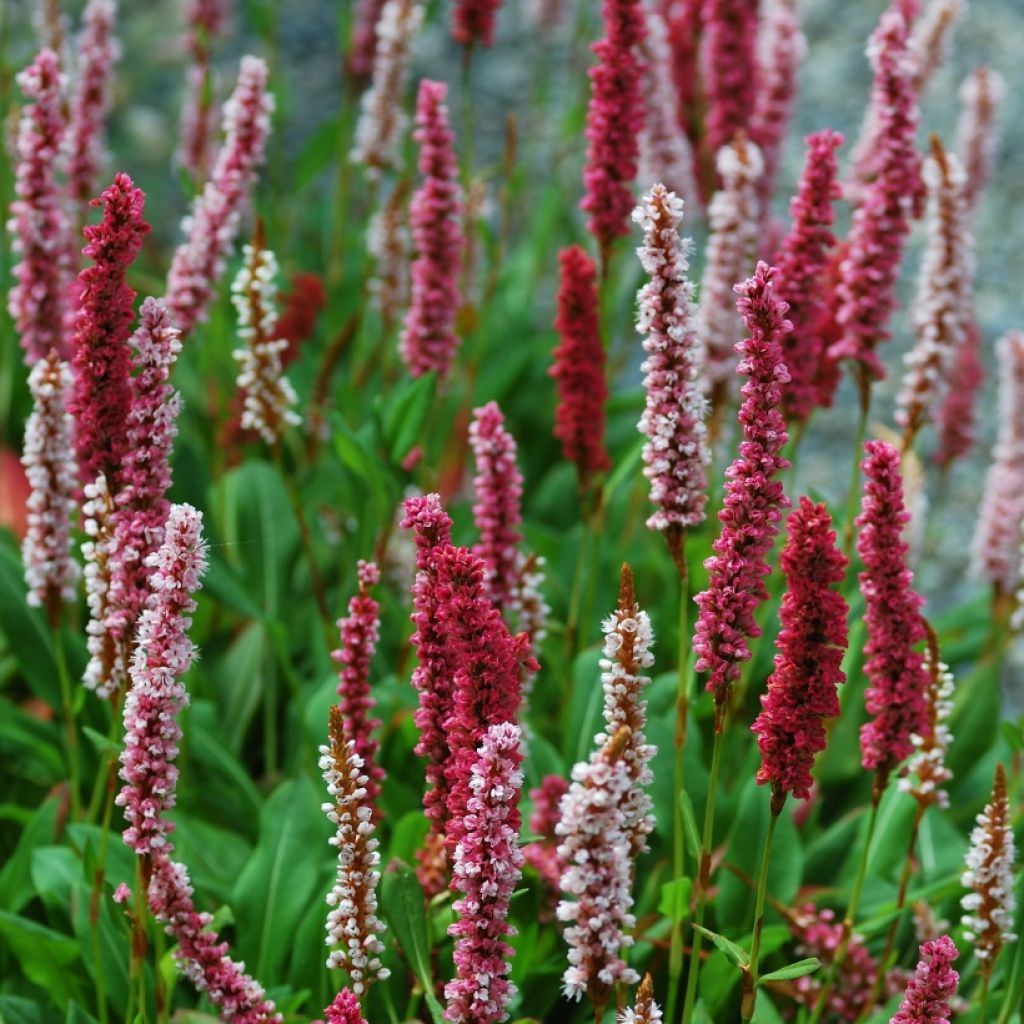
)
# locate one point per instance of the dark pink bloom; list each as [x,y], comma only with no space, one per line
[684,21]
[956,418]
[932,987]
[542,854]
[579,366]
[39,225]
[486,867]
[344,1009]
[212,224]
[205,20]
[673,419]
[102,356]
[868,274]
[363,43]
[428,339]
[897,696]
[803,267]
[753,496]
[473,21]
[802,688]
[615,119]
[359,634]
[498,485]
[781,46]
[98,52]
[728,64]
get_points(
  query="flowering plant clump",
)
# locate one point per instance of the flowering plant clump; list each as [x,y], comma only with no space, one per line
[441,660]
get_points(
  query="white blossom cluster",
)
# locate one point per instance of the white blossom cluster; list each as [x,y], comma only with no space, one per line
[106,668]
[382,121]
[50,571]
[268,396]
[926,768]
[389,243]
[990,905]
[943,308]
[595,848]
[352,923]
[734,220]
[646,1010]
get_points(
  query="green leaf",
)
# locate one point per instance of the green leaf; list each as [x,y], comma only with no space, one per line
[241,682]
[404,414]
[278,881]
[18,1010]
[16,875]
[102,743]
[794,970]
[44,956]
[689,825]
[405,910]
[79,1015]
[734,953]
[55,870]
[27,631]
[675,899]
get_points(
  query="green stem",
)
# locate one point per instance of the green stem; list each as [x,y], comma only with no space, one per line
[578,578]
[750,975]
[704,874]
[67,706]
[851,911]
[104,779]
[675,954]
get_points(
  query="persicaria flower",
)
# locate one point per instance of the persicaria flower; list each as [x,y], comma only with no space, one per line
[734,221]
[102,363]
[930,39]
[353,928]
[943,307]
[360,631]
[542,854]
[98,53]
[927,771]
[269,398]
[956,419]
[615,119]
[754,498]
[428,339]
[933,986]
[473,21]
[997,536]
[990,904]
[382,121]
[802,688]
[579,366]
[980,96]
[388,242]
[344,1009]
[728,68]
[106,667]
[51,574]
[896,669]
[673,420]
[363,40]
[867,287]
[39,225]
[803,272]
[211,226]
[645,1010]
[486,867]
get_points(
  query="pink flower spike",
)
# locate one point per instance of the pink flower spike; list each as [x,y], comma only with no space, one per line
[615,119]
[579,367]
[781,47]
[473,22]
[754,498]
[51,573]
[102,356]
[344,1009]
[866,292]
[803,268]
[734,221]
[486,867]
[39,225]
[802,688]
[897,696]
[956,418]
[996,549]
[542,854]
[676,451]
[728,67]
[981,94]
[212,224]
[498,486]
[98,52]
[933,986]
[428,339]
[363,41]
[359,634]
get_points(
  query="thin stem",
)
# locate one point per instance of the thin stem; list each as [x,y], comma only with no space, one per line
[578,579]
[704,874]
[67,706]
[675,955]
[851,911]
[139,942]
[983,1000]
[750,975]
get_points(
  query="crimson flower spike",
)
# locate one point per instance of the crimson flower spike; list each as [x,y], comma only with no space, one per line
[932,987]
[615,119]
[899,678]
[754,498]
[802,688]
[102,361]
[802,278]
[579,367]
[473,22]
